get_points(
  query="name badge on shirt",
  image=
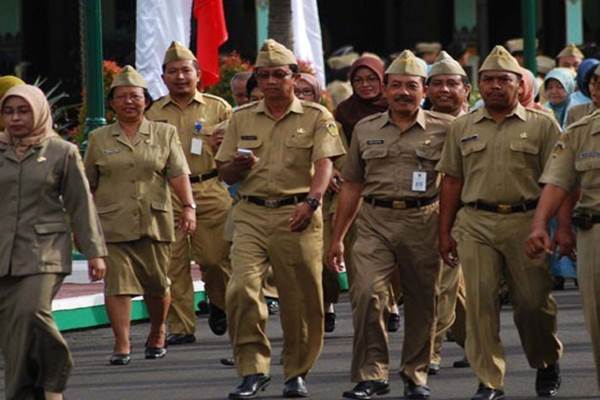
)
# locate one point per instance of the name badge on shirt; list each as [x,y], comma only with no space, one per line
[419,181]
[196,146]
[375,141]
[469,138]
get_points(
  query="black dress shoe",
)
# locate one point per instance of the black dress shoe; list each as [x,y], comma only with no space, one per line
[393,323]
[230,362]
[294,388]
[365,389]
[547,381]
[120,359]
[462,363]
[175,339]
[152,353]
[434,369]
[272,305]
[487,393]
[250,386]
[329,322]
[414,391]
[217,320]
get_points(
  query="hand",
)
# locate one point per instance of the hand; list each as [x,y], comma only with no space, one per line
[335,257]
[301,217]
[447,248]
[187,220]
[215,140]
[335,183]
[244,162]
[96,269]
[538,242]
[565,240]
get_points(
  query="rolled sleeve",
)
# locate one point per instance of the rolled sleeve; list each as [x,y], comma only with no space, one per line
[228,147]
[176,163]
[91,170]
[560,168]
[327,142]
[353,170]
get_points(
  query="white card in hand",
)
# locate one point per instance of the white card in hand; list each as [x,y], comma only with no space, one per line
[196,146]
[419,181]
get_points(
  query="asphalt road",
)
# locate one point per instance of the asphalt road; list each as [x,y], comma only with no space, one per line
[194,372]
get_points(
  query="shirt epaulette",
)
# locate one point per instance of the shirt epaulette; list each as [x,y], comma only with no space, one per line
[217,98]
[370,118]
[245,106]
[312,104]
[584,120]
[440,115]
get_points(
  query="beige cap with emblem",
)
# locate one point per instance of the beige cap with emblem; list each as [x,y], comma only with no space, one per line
[344,61]
[407,64]
[274,54]
[500,59]
[428,47]
[570,50]
[178,52]
[446,65]
[517,45]
[128,77]
[544,64]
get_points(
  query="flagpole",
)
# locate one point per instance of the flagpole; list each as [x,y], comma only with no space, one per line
[92,60]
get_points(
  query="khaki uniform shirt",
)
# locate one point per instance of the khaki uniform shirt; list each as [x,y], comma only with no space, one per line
[43,197]
[204,110]
[499,163]
[286,148]
[575,161]
[385,158]
[579,111]
[130,180]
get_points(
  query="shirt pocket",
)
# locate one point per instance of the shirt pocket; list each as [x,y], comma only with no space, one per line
[472,148]
[524,155]
[376,162]
[298,151]
[52,242]
[588,169]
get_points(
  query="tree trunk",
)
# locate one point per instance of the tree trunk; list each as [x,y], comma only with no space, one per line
[280,22]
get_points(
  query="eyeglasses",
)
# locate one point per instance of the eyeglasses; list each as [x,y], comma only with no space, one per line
[277,74]
[133,97]
[15,111]
[370,80]
[304,93]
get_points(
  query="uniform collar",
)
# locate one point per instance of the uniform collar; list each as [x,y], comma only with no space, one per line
[198,97]
[519,111]
[144,128]
[420,120]
[295,107]
[595,119]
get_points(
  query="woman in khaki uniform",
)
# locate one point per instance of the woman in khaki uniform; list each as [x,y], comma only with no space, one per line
[130,165]
[43,187]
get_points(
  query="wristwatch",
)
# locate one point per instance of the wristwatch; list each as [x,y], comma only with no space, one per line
[312,202]
[192,206]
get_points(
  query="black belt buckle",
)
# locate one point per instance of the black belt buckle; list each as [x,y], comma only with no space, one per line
[582,221]
[271,203]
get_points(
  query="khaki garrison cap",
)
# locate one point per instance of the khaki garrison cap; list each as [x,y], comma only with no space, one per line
[273,54]
[428,47]
[128,77]
[446,65]
[178,52]
[514,45]
[407,64]
[570,50]
[500,59]
[344,61]
[544,64]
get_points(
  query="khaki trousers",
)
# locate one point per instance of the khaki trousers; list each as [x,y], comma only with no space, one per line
[451,314]
[390,241]
[207,247]
[588,275]
[262,238]
[490,248]
[36,356]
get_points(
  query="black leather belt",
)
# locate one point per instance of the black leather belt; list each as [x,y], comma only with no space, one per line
[275,203]
[204,177]
[585,221]
[504,208]
[400,204]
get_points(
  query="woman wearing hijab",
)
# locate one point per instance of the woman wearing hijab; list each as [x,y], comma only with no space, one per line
[366,77]
[130,165]
[44,198]
[530,91]
[558,86]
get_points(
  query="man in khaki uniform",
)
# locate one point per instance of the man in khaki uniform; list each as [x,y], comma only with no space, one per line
[581,110]
[574,166]
[570,57]
[194,114]
[492,160]
[428,51]
[390,165]
[448,89]
[279,149]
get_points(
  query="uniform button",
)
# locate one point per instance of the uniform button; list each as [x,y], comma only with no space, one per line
[131,164]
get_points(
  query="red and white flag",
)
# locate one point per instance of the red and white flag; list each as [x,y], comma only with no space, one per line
[211,33]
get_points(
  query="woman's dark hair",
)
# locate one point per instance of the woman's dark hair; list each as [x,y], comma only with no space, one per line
[147,96]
